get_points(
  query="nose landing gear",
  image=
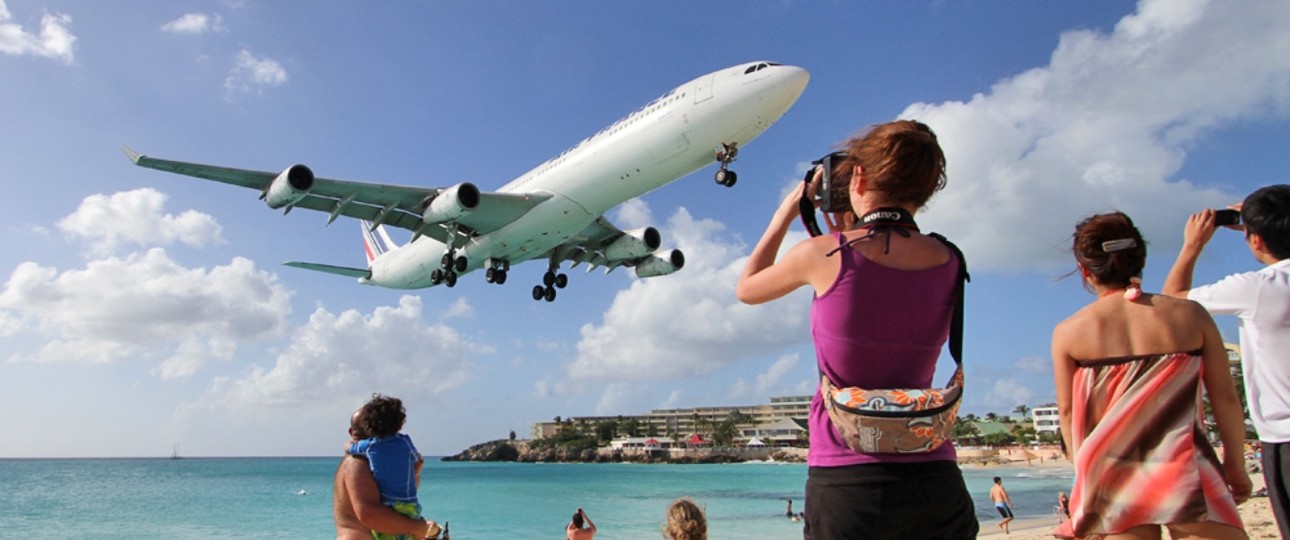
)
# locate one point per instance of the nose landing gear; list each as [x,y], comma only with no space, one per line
[725,154]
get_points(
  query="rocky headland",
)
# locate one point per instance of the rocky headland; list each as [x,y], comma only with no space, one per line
[525,451]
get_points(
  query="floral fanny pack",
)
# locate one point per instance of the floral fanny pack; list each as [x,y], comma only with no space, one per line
[906,420]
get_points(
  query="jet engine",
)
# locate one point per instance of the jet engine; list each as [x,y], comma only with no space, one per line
[660,264]
[289,187]
[634,244]
[451,204]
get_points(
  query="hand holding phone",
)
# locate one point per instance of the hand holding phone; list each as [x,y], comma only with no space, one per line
[1227,217]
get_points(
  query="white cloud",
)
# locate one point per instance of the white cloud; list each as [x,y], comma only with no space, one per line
[55,40]
[634,214]
[251,75]
[1105,125]
[770,380]
[688,323]
[1006,394]
[143,306]
[391,350]
[616,398]
[194,23]
[460,308]
[136,218]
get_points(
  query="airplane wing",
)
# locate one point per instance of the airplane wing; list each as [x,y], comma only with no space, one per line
[381,204]
[593,244]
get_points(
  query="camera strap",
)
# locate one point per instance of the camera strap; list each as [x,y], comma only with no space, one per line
[804,205]
[882,220]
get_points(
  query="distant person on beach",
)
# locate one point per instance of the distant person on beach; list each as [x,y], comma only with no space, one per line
[685,521]
[789,511]
[1129,370]
[1002,503]
[580,527]
[393,459]
[357,508]
[1063,507]
[1261,300]
[884,297]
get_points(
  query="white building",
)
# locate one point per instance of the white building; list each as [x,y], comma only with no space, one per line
[1046,419]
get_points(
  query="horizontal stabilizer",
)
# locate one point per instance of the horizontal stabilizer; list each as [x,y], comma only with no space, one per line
[330,269]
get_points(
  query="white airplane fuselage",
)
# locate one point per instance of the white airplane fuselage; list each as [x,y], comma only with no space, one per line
[671,137]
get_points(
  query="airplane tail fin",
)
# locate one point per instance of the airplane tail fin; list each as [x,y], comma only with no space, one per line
[375,241]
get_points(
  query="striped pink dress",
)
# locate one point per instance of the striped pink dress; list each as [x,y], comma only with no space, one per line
[1141,456]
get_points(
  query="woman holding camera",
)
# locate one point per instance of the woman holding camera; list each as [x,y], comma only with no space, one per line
[884,297]
[1129,370]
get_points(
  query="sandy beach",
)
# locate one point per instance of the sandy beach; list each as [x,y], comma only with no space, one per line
[1256,514]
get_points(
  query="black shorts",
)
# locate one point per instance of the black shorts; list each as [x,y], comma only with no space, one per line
[889,500]
[1004,511]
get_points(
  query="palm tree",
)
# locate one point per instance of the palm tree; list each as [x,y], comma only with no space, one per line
[1022,410]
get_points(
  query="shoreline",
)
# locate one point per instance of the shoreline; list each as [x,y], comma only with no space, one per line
[1256,515]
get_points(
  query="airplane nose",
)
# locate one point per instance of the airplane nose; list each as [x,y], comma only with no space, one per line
[792,82]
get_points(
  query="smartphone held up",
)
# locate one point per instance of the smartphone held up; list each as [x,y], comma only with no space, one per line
[1227,217]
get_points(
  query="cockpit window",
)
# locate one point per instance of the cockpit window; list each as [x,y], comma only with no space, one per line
[758,67]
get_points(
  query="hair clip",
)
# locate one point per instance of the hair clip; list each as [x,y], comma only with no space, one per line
[1119,245]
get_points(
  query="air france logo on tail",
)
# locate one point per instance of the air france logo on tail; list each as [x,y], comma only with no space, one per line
[375,241]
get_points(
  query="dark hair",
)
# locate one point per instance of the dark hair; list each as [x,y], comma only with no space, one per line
[381,417]
[577,519]
[1116,267]
[900,159]
[1266,212]
[997,479]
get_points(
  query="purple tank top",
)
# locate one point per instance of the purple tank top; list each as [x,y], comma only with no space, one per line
[878,327]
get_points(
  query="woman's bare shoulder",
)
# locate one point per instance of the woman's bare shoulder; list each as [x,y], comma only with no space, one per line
[1074,325]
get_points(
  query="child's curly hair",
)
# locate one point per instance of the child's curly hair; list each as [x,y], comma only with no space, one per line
[381,417]
[685,521]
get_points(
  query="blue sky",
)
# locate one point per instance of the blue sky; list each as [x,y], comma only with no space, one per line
[140,309]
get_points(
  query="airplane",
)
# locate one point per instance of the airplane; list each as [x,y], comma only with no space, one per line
[552,212]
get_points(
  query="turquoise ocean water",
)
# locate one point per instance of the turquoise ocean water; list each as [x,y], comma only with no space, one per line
[261,497]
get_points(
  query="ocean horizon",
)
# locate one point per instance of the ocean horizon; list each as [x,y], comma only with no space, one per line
[290,497]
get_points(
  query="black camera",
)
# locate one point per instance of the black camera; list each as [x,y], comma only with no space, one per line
[1227,216]
[832,194]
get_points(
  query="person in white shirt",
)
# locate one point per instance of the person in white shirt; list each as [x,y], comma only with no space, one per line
[1261,299]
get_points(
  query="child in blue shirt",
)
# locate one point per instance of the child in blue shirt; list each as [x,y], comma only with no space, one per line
[394,460]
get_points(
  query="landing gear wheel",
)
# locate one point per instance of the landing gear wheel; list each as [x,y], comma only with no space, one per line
[450,278]
[461,264]
[561,281]
[501,277]
[548,278]
[490,275]
[725,154]
[550,295]
[538,292]
[436,276]
[446,261]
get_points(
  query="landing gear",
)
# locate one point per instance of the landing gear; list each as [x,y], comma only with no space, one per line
[449,265]
[726,178]
[551,281]
[497,270]
[495,275]
[451,261]
[447,277]
[726,154]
